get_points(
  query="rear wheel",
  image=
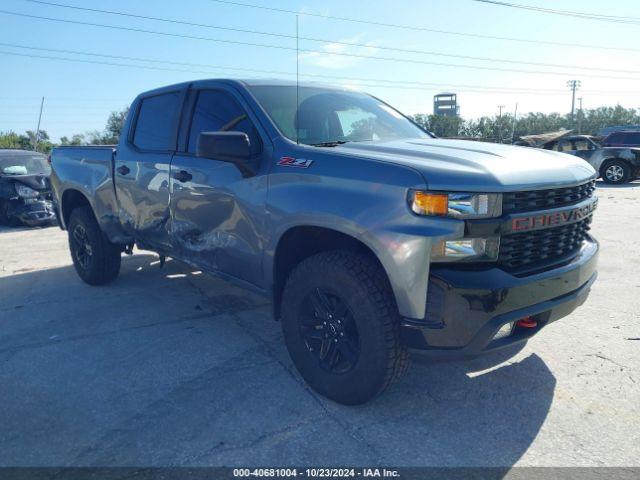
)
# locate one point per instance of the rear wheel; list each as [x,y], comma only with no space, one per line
[616,172]
[95,258]
[341,327]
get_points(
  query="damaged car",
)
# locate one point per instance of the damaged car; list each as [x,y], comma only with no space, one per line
[25,191]
[614,164]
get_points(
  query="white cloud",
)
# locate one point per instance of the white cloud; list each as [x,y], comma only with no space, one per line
[343,60]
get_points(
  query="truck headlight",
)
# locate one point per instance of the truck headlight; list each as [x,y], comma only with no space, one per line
[456,205]
[466,250]
[26,192]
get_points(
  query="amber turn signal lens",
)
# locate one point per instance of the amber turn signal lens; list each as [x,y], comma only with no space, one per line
[430,203]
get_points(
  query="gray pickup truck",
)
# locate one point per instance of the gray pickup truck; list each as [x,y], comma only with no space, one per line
[370,236]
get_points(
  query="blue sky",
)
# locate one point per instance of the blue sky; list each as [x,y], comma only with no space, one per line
[79,96]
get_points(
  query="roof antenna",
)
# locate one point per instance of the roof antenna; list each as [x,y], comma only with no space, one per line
[297,116]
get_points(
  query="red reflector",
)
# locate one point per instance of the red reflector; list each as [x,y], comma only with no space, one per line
[527,322]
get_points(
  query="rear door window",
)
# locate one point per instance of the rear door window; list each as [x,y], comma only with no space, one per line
[565,146]
[615,138]
[583,144]
[156,122]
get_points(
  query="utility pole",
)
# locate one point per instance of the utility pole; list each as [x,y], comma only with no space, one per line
[35,142]
[513,125]
[500,107]
[573,85]
[580,116]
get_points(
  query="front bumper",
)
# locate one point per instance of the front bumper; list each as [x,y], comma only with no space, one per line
[33,214]
[466,308]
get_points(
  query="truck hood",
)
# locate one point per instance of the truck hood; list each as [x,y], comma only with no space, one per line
[461,165]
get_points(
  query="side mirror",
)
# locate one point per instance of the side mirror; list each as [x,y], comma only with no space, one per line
[232,147]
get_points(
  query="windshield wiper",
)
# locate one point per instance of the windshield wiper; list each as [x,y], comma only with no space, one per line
[335,143]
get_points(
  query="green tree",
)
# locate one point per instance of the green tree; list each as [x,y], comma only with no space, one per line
[77,139]
[491,128]
[440,125]
[11,140]
[27,141]
[111,134]
[115,124]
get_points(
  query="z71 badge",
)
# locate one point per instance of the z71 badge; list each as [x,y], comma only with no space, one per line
[295,162]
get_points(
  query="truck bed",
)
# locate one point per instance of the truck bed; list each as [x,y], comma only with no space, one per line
[89,170]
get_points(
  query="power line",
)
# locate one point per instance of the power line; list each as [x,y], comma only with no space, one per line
[148,67]
[569,13]
[423,29]
[326,40]
[275,72]
[282,47]
[487,88]
[466,88]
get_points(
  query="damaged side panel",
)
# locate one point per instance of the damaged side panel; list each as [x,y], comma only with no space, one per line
[218,217]
[88,171]
[631,155]
[142,190]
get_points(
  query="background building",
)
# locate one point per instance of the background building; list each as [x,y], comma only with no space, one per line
[446,104]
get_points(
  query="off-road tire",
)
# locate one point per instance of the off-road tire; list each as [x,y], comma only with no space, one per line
[103,265]
[362,285]
[616,172]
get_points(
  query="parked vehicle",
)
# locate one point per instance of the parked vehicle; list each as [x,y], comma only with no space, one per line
[622,139]
[370,236]
[603,132]
[25,192]
[615,165]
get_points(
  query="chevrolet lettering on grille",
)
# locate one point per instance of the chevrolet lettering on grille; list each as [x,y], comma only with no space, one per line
[552,219]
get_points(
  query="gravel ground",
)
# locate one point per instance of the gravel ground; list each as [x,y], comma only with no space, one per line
[172,367]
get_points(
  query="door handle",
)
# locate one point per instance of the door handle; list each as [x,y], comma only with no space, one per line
[182,176]
[123,170]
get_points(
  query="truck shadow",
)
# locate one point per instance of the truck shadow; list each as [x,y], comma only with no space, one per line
[135,373]
[22,228]
[607,186]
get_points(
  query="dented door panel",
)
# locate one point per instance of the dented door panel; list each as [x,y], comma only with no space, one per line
[142,188]
[216,217]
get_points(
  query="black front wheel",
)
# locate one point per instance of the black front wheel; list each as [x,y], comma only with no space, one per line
[341,326]
[95,258]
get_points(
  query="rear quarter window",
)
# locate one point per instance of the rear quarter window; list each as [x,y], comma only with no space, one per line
[156,122]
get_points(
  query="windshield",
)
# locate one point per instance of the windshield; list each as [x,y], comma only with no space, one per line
[327,117]
[23,164]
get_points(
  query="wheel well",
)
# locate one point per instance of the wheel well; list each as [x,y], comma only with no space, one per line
[300,243]
[72,199]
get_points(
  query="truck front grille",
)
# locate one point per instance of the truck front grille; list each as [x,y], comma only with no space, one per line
[515,202]
[525,252]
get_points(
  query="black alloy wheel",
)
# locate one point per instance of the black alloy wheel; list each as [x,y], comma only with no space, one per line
[341,326]
[95,258]
[329,331]
[81,247]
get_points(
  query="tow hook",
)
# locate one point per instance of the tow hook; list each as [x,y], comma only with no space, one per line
[527,322]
